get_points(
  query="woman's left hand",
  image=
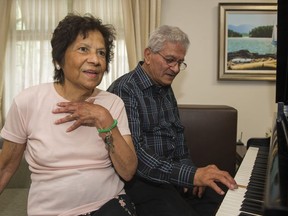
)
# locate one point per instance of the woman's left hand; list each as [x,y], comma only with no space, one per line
[123,157]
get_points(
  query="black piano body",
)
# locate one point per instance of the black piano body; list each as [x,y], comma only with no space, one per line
[276,190]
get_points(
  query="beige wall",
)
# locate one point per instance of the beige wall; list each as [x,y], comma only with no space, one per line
[254,100]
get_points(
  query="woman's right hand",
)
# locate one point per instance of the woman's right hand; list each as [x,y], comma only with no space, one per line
[10,158]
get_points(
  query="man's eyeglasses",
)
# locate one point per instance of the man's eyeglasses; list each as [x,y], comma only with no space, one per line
[172,62]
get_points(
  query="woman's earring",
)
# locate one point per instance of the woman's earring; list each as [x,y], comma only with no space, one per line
[58,66]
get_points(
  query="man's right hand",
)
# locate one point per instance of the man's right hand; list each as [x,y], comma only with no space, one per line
[210,175]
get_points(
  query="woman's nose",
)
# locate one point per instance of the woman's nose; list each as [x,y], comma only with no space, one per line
[93,58]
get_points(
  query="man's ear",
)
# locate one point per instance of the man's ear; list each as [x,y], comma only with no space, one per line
[147,55]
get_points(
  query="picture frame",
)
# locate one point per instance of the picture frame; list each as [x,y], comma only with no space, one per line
[247,45]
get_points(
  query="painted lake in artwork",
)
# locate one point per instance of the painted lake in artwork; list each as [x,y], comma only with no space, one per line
[254,45]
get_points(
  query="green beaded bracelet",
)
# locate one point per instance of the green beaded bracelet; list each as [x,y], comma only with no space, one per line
[110,128]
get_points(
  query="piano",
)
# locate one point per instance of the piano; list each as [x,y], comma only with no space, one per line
[262,176]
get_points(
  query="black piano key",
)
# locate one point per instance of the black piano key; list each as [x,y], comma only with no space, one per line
[252,204]
[251,208]
[254,190]
[254,196]
[260,170]
[245,214]
[259,174]
[256,180]
[256,184]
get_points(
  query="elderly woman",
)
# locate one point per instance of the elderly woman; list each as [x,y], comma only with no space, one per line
[75,137]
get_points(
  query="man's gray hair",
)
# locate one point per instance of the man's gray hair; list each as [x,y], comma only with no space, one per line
[166,33]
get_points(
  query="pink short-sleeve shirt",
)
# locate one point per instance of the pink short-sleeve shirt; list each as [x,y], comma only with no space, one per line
[71,172]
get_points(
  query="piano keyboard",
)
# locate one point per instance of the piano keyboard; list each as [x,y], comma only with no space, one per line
[238,202]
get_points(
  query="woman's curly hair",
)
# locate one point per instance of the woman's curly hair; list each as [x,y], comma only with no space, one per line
[67,31]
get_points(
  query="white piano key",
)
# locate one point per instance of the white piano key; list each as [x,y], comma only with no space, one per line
[232,202]
[244,172]
[233,199]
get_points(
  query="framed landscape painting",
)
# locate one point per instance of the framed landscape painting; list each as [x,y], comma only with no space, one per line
[247,41]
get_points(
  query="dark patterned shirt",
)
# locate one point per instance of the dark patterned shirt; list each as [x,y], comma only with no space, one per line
[157,132]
